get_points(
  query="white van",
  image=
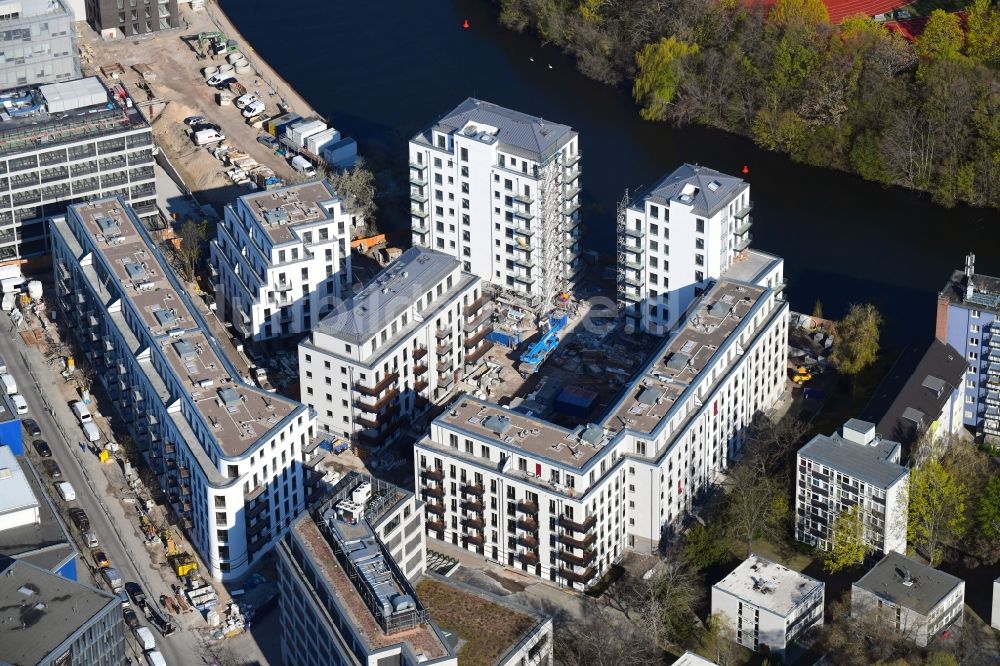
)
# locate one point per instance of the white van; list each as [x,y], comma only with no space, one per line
[154,658]
[82,413]
[20,404]
[302,165]
[207,136]
[145,638]
[92,432]
[66,491]
[242,102]
[3,365]
[9,385]
[253,108]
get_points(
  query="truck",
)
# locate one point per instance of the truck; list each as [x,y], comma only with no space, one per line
[208,136]
[113,579]
[9,385]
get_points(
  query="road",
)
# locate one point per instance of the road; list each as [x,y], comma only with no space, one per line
[82,470]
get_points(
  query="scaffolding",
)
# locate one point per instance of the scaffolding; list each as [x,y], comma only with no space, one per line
[551,219]
[51,131]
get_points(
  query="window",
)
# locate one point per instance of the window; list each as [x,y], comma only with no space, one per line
[699,226]
[463,154]
[974,314]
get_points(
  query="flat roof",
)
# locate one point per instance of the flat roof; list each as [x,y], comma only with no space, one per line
[941,370]
[985,292]
[768,585]
[44,610]
[237,414]
[45,543]
[392,292]
[929,586]
[691,659]
[15,493]
[748,265]
[280,210]
[867,462]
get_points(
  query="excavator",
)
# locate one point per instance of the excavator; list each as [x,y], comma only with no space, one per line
[216,44]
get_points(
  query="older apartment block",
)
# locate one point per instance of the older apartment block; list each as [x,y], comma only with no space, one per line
[399,345]
[500,190]
[66,142]
[852,468]
[677,237]
[563,504]
[115,19]
[229,456]
[38,43]
[768,605]
[283,259]
[917,601]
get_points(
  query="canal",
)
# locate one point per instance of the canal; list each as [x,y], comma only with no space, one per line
[381,70]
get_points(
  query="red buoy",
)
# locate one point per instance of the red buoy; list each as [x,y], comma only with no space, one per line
[746,169]
[465,24]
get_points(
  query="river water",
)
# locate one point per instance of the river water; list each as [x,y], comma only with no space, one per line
[381,70]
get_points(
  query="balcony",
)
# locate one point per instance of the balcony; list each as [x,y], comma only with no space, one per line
[524,230]
[384,419]
[632,233]
[418,179]
[743,212]
[432,474]
[474,539]
[528,525]
[585,526]
[743,243]
[442,333]
[520,198]
[585,542]
[524,214]
[435,508]
[583,560]
[744,227]
[256,510]
[443,349]
[475,506]
[473,489]
[474,306]
[473,523]
[257,528]
[248,497]
[528,557]
[374,391]
[572,192]
[530,508]
[477,321]
[572,207]
[573,159]
[376,407]
[476,338]
[417,166]
[419,386]
[432,491]
[528,541]
[578,576]
[416,212]
[418,196]
[473,357]
[436,525]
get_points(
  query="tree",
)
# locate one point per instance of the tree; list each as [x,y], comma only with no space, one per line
[704,546]
[601,638]
[660,606]
[849,546]
[756,506]
[796,12]
[661,70]
[942,38]
[818,309]
[940,659]
[936,508]
[856,339]
[192,235]
[988,509]
[982,32]
[719,643]
[357,188]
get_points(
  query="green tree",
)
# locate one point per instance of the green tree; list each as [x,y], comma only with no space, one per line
[357,187]
[849,546]
[856,339]
[192,235]
[662,68]
[798,12]
[704,546]
[943,38]
[940,659]
[988,509]
[756,506]
[982,32]
[936,508]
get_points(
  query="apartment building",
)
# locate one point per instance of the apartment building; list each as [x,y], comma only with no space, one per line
[38,43]
[500,190]
[115,19]
[968,319]
[564,504]
[52,621]
[345,598]
[62,143]
[931,403]
[855,467]
[768,605]
[282,259]
[917,601]
[675,238]
[386,354]
[229,456]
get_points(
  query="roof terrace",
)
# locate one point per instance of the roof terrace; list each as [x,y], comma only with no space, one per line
[279,211]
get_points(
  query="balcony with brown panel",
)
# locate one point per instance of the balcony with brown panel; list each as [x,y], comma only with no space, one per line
[586,542]
[435,507]
[475,305]
[376,390]
[578,576]
[473,357]
[528,541]
[528,525]
[474,489]
[419,353]
[530,508]
[571,524]
[472,523]
[377,406]
[386,418]
[472,323]
[474,539]
[419,369]
[434,474]
[583,560]
[472,341]
[474,505]
[432,491]
[529,557]
[436,525]
[419,386]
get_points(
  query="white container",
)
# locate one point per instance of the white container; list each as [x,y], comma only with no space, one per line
[145,638]
[66,491]
[298,132]
[81,412]
[316,142]
[154,658]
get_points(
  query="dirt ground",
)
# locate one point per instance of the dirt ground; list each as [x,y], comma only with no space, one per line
[179,81]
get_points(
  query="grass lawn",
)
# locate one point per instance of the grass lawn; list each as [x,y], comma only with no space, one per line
[487,628]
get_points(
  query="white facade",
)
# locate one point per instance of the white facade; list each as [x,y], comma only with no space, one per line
[916,601]
[855,467]
[283,259]
[229,456]
[677,237]
[564,505]
[500,190]
[767,604]
[995,615]
[18,504]
[386,354]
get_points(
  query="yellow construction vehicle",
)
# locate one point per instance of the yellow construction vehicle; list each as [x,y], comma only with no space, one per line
[802,375]
[183,564]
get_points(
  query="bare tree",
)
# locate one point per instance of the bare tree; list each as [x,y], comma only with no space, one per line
[864,639]
[192,235]
[600,638]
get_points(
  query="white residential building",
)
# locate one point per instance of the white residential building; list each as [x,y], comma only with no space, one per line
[675,238]
[229,456]
[917,601]
[768,605]
[18,504]
[283,259]
[500,190]
[386,354]
[854,467]
[565,504]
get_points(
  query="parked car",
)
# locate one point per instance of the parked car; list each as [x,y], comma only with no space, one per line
[135,591]
[218,79]
[253,108]
[131,619]
[267,140]
[90,539]
[52,469]
[207,126]
[43,448]
[80,519]
[100,559]
[31,427]
[20,404]
[194,120]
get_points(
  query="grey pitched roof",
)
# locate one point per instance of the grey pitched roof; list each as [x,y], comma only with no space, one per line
[709,190]
[939,372]
[529,136]
[388,295]
[868,463]
[929,586]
